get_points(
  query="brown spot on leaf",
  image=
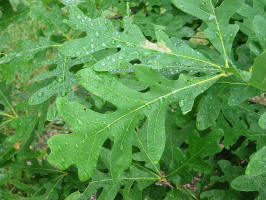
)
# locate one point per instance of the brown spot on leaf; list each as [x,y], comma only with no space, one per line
[17,145]
[259,99]
[160,46]
[199,38]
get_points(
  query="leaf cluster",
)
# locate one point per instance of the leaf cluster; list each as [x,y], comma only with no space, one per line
[132,99]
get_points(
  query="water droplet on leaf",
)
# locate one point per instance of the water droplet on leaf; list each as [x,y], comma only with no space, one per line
[40,94]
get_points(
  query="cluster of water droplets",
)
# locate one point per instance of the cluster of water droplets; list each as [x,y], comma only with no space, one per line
[71,2]
[121,70]
[211,17]
[168,71]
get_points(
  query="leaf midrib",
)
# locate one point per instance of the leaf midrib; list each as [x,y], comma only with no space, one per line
[220,35]
[153,101]
[156,50]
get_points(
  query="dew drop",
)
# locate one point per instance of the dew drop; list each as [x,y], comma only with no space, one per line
[181,103]
[40,94]
[31,101]
[61,79]
[149,106]
[211,17]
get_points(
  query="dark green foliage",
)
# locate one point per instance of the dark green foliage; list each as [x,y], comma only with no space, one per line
[132,99]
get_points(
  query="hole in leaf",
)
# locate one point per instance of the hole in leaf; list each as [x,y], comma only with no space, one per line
[184,145]
[135,61]
[146,90]
[108,144]
[76,68]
